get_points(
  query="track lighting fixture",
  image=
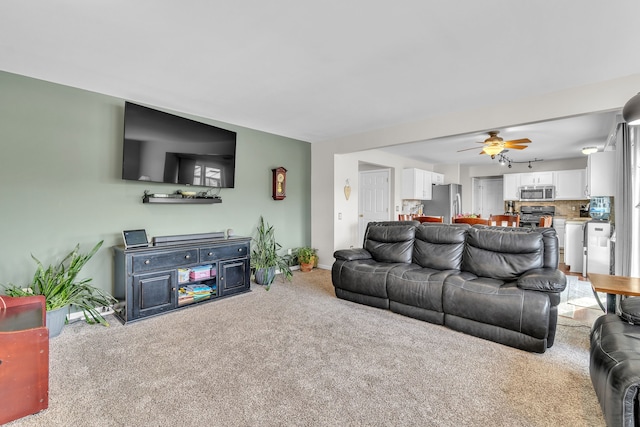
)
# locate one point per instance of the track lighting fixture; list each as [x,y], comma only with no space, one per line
[504,160]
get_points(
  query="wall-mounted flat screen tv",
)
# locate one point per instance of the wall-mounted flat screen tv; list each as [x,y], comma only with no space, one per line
[162,147]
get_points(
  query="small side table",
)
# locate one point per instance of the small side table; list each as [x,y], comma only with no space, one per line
[24,357]
[614,285]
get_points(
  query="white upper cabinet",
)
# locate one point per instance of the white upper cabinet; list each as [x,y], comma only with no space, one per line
[437,178]
[571,184]
[416,184]
[511,186]
[536,178]
[601,174]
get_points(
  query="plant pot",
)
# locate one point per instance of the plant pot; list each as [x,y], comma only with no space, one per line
[265,276]
[56,320]
[306,267]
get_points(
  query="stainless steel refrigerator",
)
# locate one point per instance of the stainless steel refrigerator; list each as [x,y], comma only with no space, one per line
[446,201]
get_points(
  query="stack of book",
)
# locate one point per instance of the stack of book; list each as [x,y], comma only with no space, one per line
[194,293]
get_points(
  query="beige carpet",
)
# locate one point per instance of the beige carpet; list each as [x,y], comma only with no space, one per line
[297,355]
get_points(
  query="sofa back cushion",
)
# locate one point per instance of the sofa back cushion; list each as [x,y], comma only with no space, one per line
[502,254]
[390,241]
[439,246]
[549,239]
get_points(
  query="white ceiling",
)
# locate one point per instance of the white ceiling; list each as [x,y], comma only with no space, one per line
[550,140]
[318,70]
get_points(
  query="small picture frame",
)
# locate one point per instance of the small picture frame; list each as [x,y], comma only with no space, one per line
[135,239]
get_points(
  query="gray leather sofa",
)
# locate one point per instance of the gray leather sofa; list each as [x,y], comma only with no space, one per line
[496,283]
[614,364]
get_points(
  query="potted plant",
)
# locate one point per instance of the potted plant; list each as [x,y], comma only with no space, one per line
[306,258]
[265,259]
[61,288]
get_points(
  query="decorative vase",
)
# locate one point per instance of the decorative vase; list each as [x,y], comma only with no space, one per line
[265,276]
[56,320]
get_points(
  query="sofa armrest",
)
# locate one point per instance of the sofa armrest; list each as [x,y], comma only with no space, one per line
[352,254]
[543,279]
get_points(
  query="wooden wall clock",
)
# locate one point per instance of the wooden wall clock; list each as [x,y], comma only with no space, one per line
[279,183]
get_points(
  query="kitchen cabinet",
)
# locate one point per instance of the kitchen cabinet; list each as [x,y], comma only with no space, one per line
[570,184]
[601,174]
[559,225]
[437,178]
[511,186]
[416,184]
[536,178]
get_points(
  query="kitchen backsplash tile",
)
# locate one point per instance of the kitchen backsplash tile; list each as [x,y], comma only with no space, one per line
[566,208]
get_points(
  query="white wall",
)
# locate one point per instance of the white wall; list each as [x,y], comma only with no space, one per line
[347,166]
[585,99]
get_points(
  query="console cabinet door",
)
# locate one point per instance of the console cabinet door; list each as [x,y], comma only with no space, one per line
[234,276]
[153,293]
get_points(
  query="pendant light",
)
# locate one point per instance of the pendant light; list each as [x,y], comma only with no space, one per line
[631,111]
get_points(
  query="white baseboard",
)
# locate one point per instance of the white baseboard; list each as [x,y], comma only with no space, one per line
[79,315]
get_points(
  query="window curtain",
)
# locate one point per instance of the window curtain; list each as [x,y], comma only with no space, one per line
[627,201]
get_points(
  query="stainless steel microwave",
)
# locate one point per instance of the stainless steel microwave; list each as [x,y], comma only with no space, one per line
[539,193]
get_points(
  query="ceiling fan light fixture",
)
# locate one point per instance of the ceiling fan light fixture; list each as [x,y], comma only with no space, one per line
[589,150]
[492,150]
[631,111]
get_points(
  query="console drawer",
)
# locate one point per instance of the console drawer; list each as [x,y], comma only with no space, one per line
[225,251]
[164,260]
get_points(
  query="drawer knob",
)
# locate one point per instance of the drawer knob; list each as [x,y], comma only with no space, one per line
[187,256]
[210,253]
[240,250]
[147,261]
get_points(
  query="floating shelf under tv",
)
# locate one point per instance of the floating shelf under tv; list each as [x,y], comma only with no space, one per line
[182,200]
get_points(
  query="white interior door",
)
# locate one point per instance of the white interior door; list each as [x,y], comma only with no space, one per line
[373,203]
[488,197]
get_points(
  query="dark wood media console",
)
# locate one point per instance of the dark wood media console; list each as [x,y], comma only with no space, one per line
[169,276]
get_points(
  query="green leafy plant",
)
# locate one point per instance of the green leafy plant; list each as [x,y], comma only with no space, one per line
[60,286]
[306,255]
[264,254]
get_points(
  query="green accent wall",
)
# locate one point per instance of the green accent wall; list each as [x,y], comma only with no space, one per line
[60,182]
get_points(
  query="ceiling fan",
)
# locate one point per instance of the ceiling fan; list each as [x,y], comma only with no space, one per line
[495,145]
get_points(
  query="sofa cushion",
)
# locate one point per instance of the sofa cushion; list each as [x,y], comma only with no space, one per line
[416,286]
[630,310]
[500,254]
[366,277]
[390,243]
[496,302]
[543,279]
[549,239]
[439,246]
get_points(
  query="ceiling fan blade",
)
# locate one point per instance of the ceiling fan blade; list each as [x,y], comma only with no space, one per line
[518,141]
[518,147]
